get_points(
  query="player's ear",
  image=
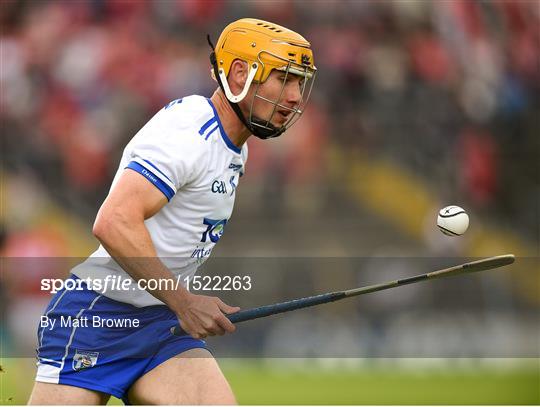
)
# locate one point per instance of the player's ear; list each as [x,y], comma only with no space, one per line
[238,75]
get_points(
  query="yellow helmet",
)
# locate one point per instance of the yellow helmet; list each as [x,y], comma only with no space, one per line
[259,41]
[265,46]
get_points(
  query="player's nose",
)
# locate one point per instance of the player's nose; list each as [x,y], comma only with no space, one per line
[293,95]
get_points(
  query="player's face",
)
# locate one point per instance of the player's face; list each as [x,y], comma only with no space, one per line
[271,90]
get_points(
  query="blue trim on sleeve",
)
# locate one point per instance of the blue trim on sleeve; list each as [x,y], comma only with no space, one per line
[158,183]
[158,170]
[206,125]
[226,138]
[213,129]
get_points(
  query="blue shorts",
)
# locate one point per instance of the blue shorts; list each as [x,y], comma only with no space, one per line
[94,343]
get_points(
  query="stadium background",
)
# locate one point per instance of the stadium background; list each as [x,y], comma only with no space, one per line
[416,105]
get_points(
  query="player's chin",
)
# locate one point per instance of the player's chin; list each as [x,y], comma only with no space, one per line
[279,119]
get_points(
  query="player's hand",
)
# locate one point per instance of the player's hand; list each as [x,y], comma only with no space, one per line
[201,316]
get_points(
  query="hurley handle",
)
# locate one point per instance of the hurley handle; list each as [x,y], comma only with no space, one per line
[272,309]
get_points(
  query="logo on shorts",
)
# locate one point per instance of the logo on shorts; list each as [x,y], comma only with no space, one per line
[84,359]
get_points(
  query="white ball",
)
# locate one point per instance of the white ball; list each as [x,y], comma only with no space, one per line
[453,220]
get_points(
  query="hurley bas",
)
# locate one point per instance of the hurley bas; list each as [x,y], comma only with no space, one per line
[86,322]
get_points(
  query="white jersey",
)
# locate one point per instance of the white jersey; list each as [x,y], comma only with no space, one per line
[184,152]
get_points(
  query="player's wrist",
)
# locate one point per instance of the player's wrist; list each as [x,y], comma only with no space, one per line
[179,300]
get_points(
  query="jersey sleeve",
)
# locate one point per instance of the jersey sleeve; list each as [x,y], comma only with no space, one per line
[167,155]
[244,154]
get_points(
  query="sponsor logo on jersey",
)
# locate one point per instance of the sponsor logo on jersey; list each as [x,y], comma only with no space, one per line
[214,231]
[218,187]
[84,359]
[235,167]
[201,253]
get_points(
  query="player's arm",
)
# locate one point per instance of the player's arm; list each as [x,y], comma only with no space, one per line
[120,228]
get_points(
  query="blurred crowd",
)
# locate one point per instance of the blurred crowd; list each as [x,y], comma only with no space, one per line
[446,90]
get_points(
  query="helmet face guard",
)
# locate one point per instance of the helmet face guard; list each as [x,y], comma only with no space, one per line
[266,47]
[264,126]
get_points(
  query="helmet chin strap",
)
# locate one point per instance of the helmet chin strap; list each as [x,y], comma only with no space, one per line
[237,98]
[267,130]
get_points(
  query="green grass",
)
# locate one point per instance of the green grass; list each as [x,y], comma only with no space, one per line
[256,383]
[386,386]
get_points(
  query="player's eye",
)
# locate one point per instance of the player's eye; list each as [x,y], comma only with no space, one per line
[291,78]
